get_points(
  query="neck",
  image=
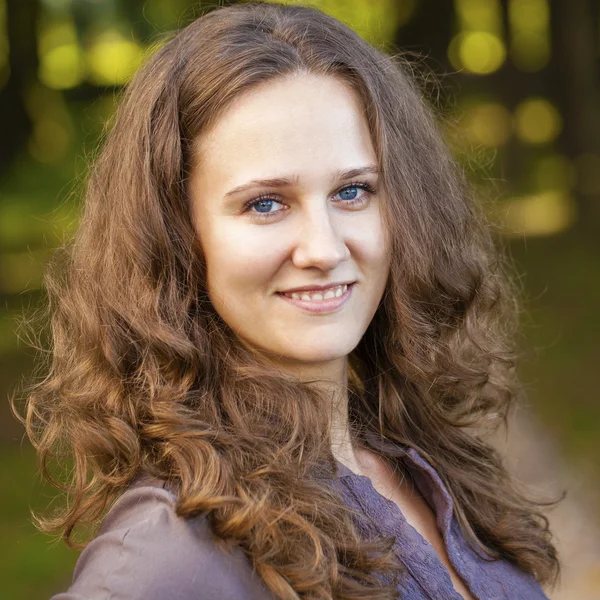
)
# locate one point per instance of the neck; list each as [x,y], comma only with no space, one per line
[333,377]
[342,446]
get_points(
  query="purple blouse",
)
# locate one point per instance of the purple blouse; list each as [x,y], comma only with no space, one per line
[145,551]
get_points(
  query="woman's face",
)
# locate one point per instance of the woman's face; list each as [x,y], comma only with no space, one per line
[276,207]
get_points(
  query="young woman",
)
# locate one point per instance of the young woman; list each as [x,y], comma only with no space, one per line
[279,336]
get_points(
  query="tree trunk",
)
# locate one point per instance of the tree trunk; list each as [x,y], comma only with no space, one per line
[16,123]
[575,67]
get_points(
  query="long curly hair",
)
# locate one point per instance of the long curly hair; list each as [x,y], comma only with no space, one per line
[142,375]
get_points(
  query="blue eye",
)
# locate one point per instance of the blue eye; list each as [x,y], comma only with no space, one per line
[263,207]
[346,194]
[349,194]
[261,204]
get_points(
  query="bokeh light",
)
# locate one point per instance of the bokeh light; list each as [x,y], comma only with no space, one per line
[537,121]
[542,214]
[478,47]
[112,59]
[478,52]
[62,62]
[529,33]
[63,67]
[479,15]
[488,124]
[376,20]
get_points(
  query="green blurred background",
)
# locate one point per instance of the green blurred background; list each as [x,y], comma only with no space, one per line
[517,82]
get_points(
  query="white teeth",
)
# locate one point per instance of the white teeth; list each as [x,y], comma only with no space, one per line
[316,296]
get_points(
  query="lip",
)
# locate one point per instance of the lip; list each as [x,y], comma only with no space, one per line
[320,306]
[311,288]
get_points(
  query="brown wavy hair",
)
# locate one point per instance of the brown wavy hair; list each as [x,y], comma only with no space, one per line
[143,376]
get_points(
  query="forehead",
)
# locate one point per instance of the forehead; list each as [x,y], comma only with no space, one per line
[296,123]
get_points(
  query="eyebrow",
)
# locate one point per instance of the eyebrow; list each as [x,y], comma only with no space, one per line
[287,181]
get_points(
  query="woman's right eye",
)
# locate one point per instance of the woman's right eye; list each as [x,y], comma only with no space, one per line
[261,208]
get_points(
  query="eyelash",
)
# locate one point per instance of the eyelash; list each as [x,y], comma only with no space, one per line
[261,197]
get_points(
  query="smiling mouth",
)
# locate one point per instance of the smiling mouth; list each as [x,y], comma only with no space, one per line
[317,295]
[319,301]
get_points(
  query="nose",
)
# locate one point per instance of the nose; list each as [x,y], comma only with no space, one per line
[320,243]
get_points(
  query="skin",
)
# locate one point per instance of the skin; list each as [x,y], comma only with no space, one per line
[312,127]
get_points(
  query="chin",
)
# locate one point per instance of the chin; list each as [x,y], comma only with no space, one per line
[315,355]
[307,349]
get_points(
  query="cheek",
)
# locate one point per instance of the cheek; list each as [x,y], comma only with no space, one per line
[239,264]
[371,245]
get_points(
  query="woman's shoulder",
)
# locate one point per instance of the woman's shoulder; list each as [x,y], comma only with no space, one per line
[145,550]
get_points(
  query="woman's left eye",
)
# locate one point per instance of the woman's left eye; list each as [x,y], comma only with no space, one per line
[349,192]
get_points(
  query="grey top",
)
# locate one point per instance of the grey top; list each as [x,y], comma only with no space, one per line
[144,551]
